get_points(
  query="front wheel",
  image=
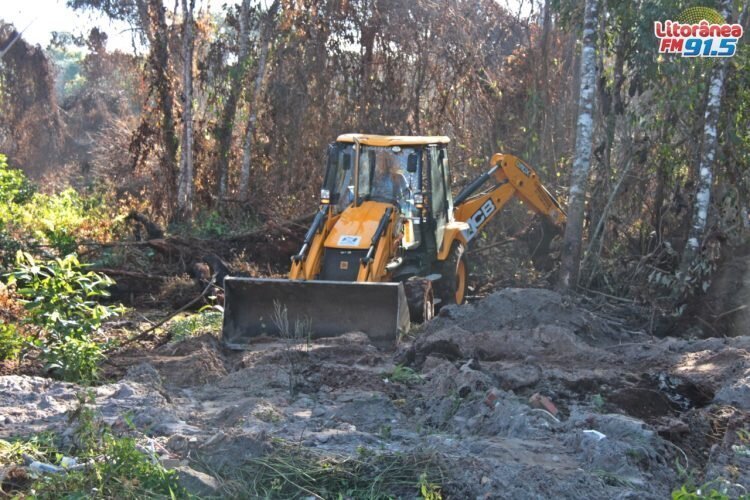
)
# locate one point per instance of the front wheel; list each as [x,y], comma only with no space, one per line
[452,286]
[419,297]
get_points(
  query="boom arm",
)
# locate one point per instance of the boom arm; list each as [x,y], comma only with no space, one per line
[511,177]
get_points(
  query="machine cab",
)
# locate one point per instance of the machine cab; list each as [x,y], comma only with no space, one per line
[411,173]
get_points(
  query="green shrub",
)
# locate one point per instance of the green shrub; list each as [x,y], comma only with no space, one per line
[73,360]
[14,186]
[59,220]
[59,297]
[9,246]
[11,341]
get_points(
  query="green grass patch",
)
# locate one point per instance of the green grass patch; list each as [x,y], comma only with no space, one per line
[718,489]
[405,375]
[190,325]
[292,472]
[110,466]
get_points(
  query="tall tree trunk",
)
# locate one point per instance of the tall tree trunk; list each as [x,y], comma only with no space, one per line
[265,38]
[225,126]
[154,22]
[571,251]
[367,43]
[707,157]
[542,131]
[186,186]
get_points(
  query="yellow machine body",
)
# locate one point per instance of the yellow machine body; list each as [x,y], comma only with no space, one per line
[362,251]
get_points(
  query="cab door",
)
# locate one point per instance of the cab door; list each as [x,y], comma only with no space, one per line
[439,191]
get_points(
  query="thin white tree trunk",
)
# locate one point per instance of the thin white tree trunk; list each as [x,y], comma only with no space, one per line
[186,185]
[705,166]
[571,251]
[265,39]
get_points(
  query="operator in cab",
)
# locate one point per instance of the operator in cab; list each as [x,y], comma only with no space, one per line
[389,182]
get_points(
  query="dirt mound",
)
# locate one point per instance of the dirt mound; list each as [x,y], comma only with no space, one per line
[526,394]
[524,309]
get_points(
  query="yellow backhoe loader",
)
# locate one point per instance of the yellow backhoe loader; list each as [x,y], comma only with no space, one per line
[387,244]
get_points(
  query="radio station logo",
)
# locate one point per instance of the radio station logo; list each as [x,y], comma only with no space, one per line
[698,32]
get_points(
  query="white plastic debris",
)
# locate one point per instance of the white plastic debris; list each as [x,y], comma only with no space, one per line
[595,434]
[44,468]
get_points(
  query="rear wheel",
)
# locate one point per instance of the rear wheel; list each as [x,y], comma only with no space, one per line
[451,288]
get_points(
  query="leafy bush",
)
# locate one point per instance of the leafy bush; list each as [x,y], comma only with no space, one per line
[9,246]
[59,297]
[215,224]
[11,341]
[14,186]
[59,221]
[74,360]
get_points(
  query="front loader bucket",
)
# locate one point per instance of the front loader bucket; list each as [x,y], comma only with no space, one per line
[330,308]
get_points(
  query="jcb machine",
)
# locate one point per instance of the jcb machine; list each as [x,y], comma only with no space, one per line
[387,244]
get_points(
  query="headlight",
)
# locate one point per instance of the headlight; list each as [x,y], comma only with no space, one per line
[325,196]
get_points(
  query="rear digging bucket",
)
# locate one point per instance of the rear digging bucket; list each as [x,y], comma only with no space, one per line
[331,308]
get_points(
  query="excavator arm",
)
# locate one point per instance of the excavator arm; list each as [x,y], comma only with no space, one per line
[511,177]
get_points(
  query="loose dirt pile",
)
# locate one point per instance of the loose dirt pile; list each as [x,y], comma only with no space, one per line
[523,395]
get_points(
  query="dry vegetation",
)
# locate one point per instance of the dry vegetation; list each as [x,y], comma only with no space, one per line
[99,207]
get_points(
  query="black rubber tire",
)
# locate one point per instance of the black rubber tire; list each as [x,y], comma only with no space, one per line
[419,296]
[447,287]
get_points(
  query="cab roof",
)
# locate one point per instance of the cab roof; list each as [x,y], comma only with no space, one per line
[394,140]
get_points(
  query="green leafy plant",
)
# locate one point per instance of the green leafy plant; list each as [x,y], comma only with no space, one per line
[60,299]
[598,402]
[11,341]
[206,321]
[14,186]
[29,219]
[74,360]
[113,466]
[59,295]
[405,375]
[713,490]
[429,490]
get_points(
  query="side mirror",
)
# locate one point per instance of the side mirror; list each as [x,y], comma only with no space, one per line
[411,163]
[347,161]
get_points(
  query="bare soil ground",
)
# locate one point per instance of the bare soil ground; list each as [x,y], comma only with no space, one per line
[524,394]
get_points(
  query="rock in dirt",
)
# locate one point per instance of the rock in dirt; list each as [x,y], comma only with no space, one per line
[735,393]
[196,482]
[543,403]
